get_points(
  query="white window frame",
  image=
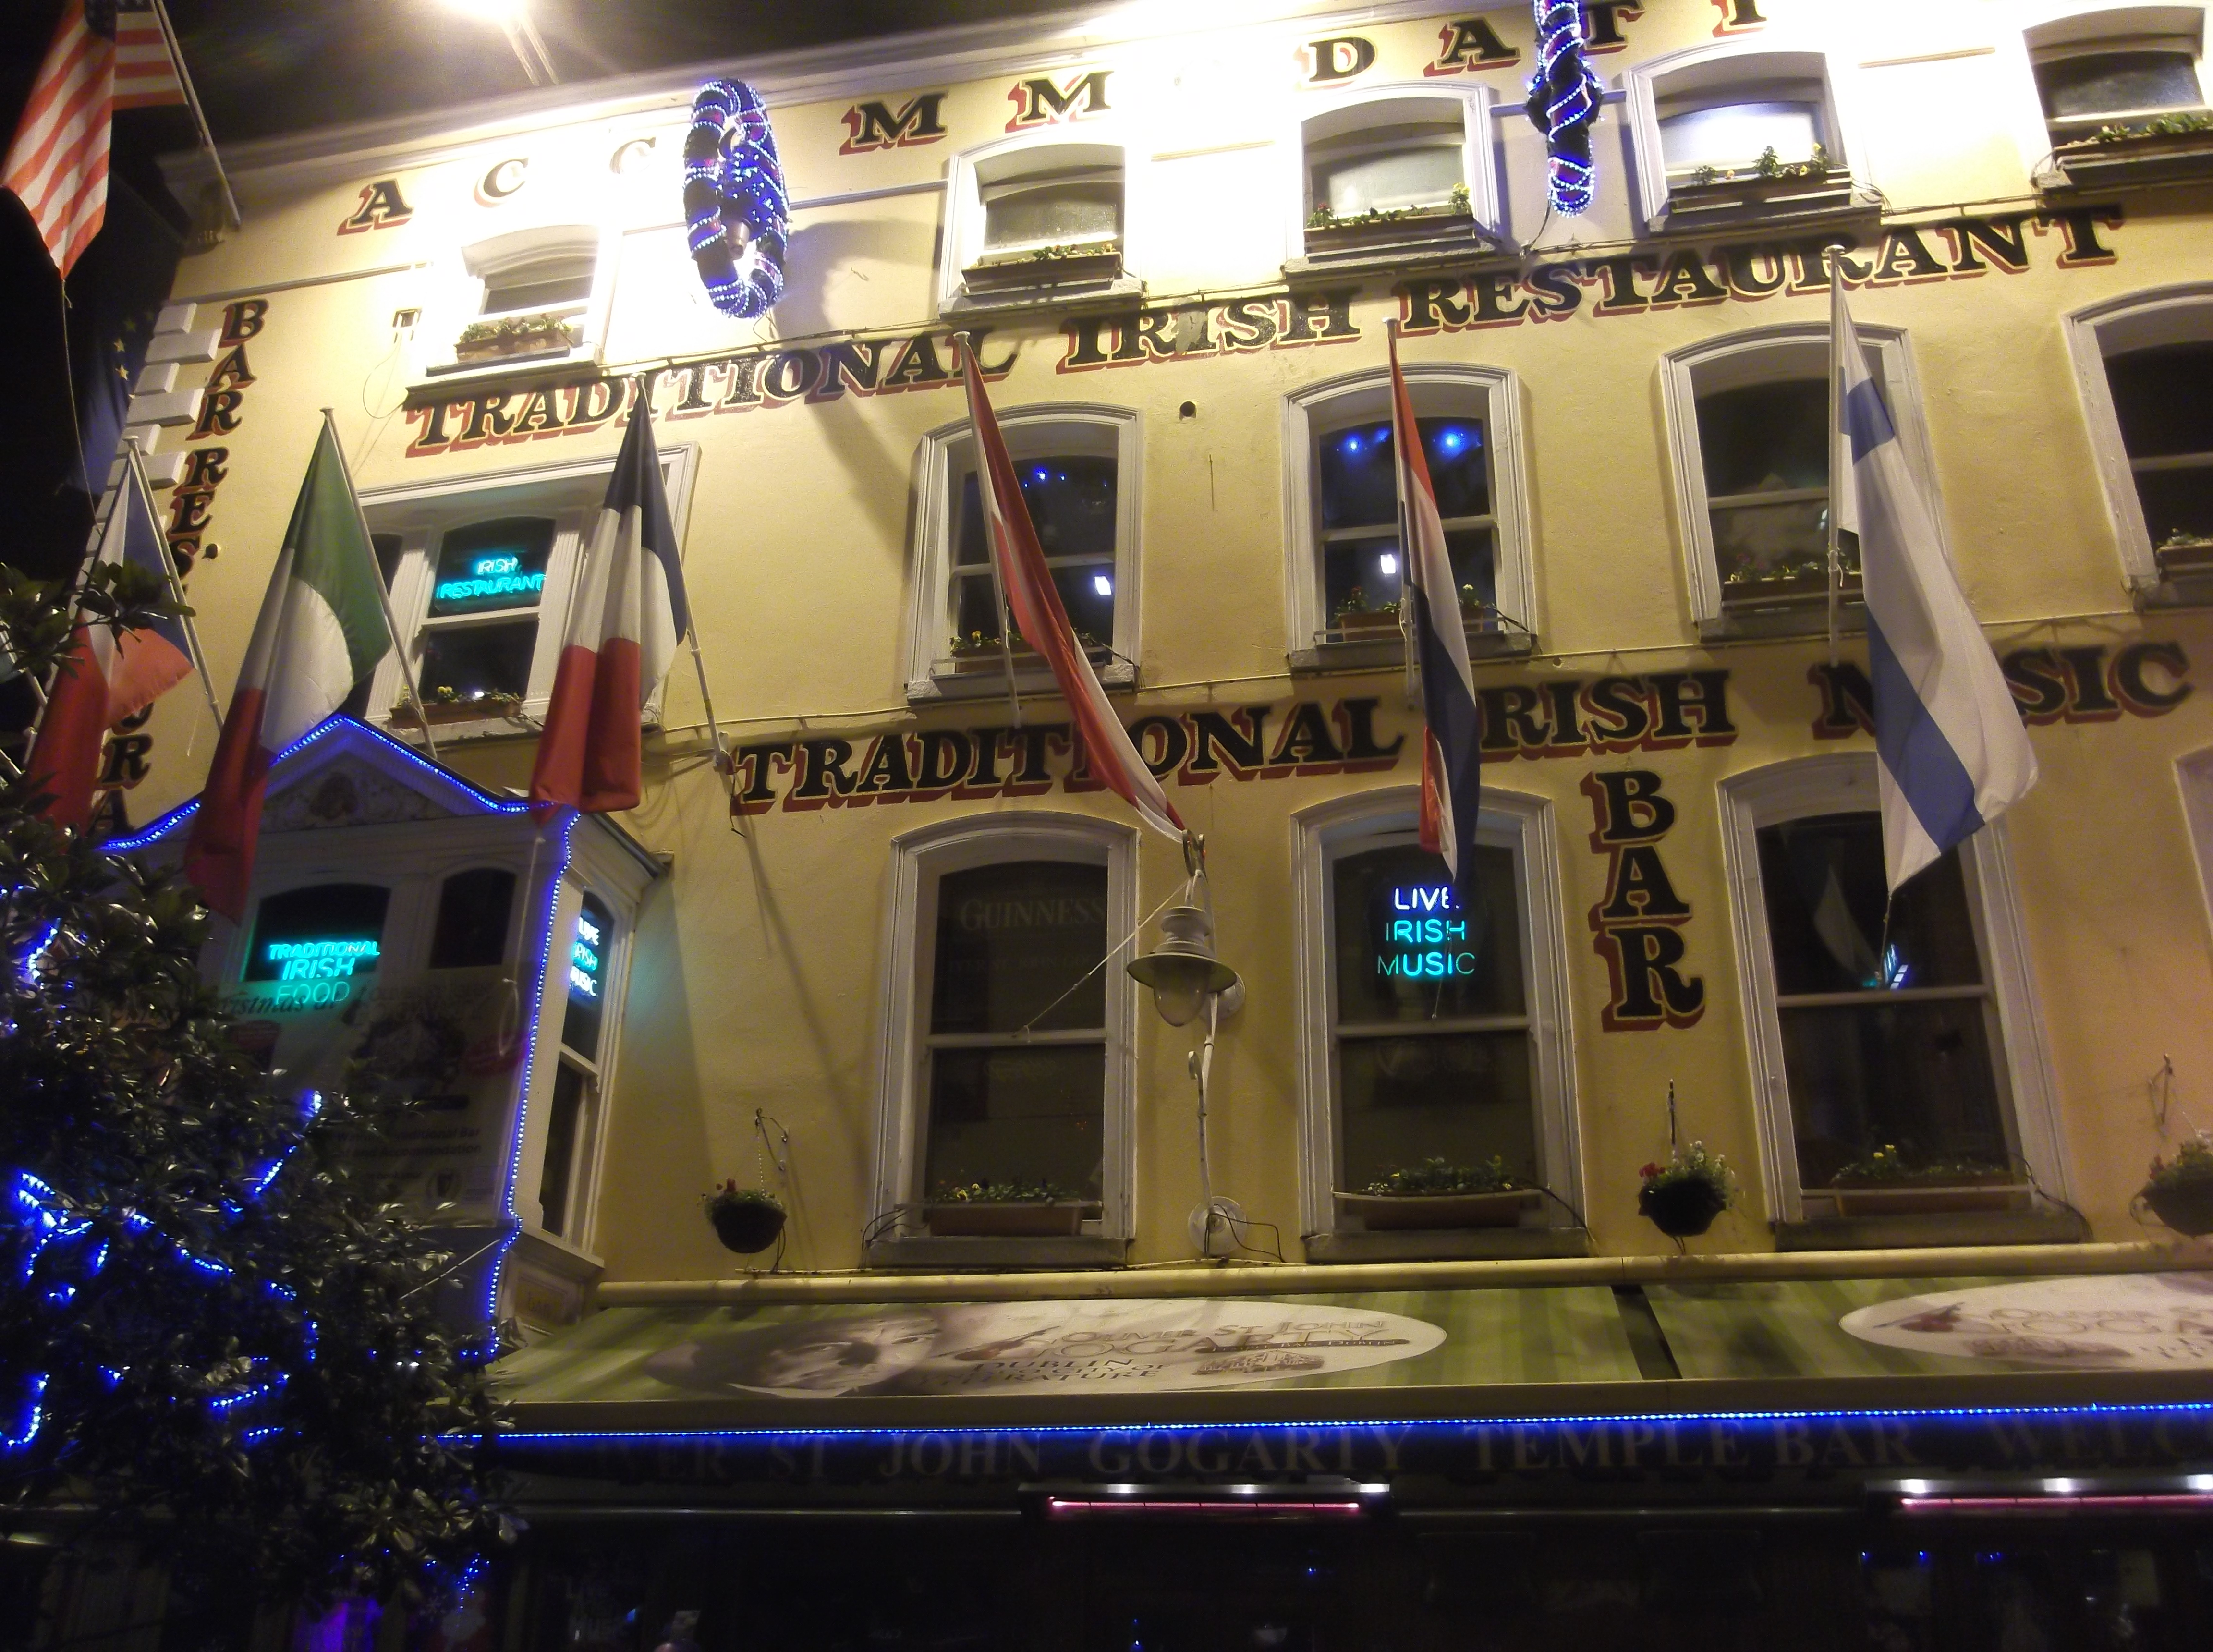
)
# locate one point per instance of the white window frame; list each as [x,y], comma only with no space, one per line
[2094,31]
[570,493]
[2139,321]
[462,281]
[601,865]
[920,859]
[2193,772]
[1846,783]
[1491,393]
[943,457]
[962,241]
[1773,55]
[1764,356]
[1518,821]
[1387,103]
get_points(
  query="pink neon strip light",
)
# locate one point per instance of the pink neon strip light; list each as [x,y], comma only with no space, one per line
[2149,1503]
[1079,1507]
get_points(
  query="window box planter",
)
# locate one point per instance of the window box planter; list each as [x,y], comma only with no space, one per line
[1752,196]
[1368,624]
[1911,1201]
[989,663]
[521,338]
[441,712]
[1783,588]
[2178,555]
[1413,229]
[978,1219]
[1380,1212]
[2141,157]
[1025,273]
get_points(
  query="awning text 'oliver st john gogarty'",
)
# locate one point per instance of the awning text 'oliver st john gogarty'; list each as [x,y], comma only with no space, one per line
[1628,283]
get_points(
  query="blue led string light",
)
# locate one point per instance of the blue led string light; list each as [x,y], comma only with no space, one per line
[1563,98]
[734,208]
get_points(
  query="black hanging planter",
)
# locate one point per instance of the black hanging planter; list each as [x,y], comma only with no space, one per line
[746,1225]
[2185,1206]
[1681,1210]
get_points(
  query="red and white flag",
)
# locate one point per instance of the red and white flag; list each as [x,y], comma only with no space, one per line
[105,678]
[1042,620]
[145,63]
[57,164]
[626,621]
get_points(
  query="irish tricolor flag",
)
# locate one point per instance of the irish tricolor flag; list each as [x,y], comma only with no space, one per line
[321,630]
[624,622]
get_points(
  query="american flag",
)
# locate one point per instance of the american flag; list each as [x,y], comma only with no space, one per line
[106,55]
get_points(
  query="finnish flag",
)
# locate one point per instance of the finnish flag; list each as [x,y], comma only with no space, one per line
[1953,753]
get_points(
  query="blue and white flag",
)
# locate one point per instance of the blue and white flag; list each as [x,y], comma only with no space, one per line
[1452,772]
[1953,753]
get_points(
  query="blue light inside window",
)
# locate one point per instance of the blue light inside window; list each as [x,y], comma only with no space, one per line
[492,578]
[1351,443]
[1425,938]
[319,961]
[1456,439]
[586,966]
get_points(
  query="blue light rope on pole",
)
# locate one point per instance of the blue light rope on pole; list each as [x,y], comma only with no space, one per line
[736,215]
[1564,103]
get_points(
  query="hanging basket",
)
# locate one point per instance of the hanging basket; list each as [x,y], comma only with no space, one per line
[1682,1210]
[744,1225]
[2186,1207]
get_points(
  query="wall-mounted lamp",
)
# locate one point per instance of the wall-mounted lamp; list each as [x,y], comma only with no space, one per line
[1183,969]
[514,19]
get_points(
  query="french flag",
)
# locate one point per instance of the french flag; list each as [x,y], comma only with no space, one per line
[1452,768]
[105,678]
[1951,750]
[1042,620]
[625,620]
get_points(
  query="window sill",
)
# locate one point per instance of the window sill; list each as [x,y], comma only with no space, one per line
[995,1255]
[1448,1244]
[2177,588]
[1389,653]
[1044,294]
[945,685]
[439,383]
[1693,208]
[2147,161]
[552,1281]
[1393,248]
[2042,1226]
[469,729]
[1754,621]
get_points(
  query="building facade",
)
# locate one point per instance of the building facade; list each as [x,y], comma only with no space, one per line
[852,962]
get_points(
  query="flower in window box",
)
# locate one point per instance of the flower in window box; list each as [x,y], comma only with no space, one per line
[448,704]
[1008,1209]
[1892,1180]
[1682,1197]
[514,335]
[2189,126]
[2179,1191]
[1436,1194]
[1354,619]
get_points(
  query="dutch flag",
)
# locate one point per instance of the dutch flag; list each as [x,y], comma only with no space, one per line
[1953,753]
[1452,768]
[626,621]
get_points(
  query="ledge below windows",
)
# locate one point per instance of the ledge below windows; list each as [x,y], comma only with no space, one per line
[2049,1226]
[936,1255]
[1754,623]
[1448,1244]
[2179,586]
[1766,203]
[1393,248]
[1080,292]
[2165,158]
[1389,653]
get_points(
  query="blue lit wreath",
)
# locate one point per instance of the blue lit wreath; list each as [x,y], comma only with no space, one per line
[1564,103]
[735,207]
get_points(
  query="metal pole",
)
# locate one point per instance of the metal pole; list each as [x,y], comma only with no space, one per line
[193,100]
[137,479]
[1836,429]
[376,578]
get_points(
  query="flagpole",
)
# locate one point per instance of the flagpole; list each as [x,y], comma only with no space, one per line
[998,586]
[383,597]
[1836,444]
[193,100]
[138,478]
[1406,555]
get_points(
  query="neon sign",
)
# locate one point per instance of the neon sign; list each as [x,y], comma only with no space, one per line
[586,966]
[496,578]
[1424,938]
[319,960]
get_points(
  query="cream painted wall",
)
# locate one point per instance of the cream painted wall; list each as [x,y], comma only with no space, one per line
[757,977]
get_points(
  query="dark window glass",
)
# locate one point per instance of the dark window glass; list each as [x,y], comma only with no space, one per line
[587,978]
[2116,82]
[2164,400]
[475,663]
[490,565]
[1761,438]
[1375,569]
[1076,208]
[1012,938]
[1071,499]
[562,1120]
[542,284]
[1356,468]
[1414,968]
[1871,1062]
[333,931]
[473,913]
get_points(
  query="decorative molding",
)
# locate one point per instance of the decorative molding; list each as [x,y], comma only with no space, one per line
[347,793]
